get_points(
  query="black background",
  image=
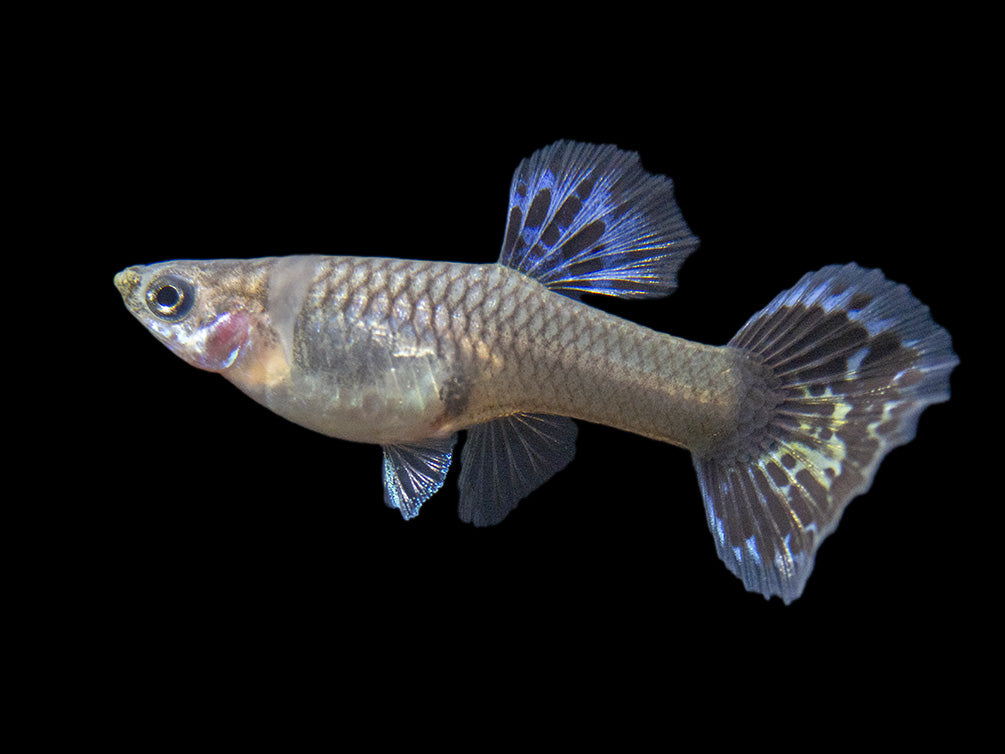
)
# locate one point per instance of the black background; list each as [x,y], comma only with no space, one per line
[222,531]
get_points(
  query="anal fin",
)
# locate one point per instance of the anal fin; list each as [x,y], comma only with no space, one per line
[506,459]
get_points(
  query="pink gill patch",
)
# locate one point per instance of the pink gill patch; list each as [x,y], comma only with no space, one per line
[227,336]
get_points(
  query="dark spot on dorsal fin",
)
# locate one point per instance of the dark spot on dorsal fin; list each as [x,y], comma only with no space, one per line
[859,301]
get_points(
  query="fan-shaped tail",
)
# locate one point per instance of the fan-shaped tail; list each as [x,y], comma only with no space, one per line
[855,359]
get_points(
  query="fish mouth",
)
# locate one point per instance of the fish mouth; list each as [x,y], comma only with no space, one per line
[126,281]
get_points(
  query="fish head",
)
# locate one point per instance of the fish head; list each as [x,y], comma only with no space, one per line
[205,312]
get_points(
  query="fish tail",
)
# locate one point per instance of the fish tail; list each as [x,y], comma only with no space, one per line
[852,360]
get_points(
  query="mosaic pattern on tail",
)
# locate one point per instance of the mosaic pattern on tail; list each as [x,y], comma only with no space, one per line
[855,359]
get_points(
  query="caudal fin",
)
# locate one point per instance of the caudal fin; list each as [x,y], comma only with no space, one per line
[855,360]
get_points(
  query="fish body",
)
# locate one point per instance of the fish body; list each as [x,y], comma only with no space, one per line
[786,423]
[396,351]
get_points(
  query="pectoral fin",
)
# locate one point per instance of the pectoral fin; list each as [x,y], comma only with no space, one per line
[413,472]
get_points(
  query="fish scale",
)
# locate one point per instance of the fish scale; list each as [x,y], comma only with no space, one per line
[545,354]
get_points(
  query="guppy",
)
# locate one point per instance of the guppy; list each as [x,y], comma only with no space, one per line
[786,423]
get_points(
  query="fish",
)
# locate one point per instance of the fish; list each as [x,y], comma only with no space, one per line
[786,423]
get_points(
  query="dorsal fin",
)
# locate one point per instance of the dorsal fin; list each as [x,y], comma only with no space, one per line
[588,218]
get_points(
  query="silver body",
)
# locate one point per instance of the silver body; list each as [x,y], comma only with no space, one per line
[390,351]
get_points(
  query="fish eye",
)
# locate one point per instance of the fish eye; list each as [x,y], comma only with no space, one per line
[170,297]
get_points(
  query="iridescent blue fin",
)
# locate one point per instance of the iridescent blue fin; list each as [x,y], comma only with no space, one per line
[412,473]
[854,359]
[588,218]
[504,460]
